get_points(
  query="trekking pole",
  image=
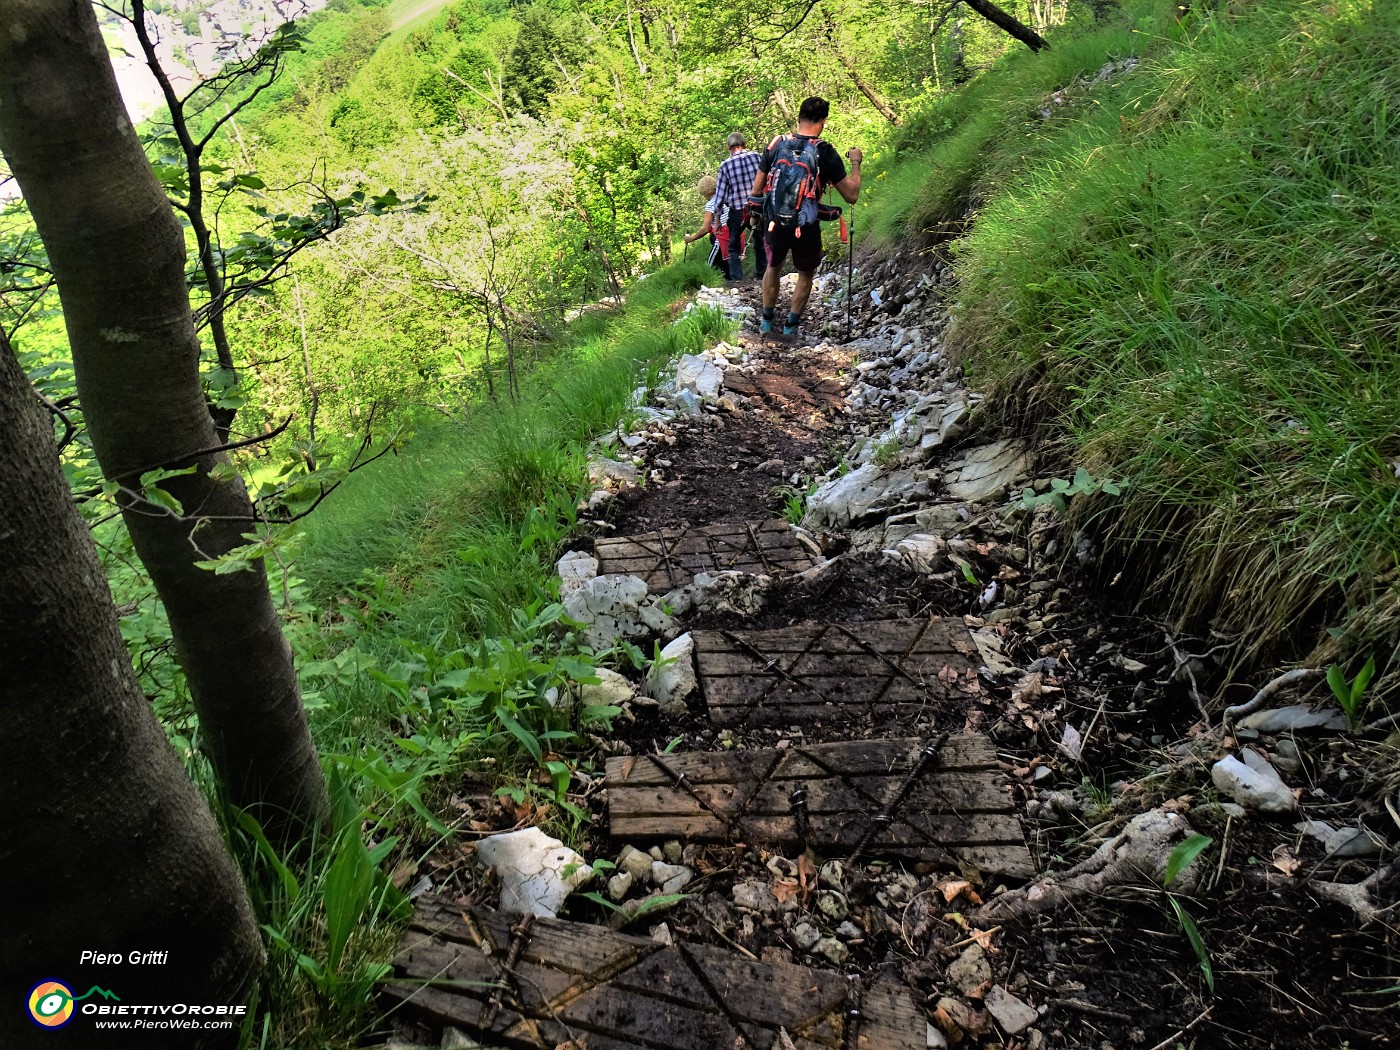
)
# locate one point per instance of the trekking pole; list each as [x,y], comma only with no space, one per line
[850,272]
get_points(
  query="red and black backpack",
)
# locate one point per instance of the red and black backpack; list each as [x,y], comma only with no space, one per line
[790,196]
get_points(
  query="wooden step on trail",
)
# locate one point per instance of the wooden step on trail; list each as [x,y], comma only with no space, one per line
[882,670]
[783,392]
[671,557]
[879,796]
[546,983]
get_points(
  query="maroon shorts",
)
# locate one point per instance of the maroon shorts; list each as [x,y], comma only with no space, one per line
[805,243]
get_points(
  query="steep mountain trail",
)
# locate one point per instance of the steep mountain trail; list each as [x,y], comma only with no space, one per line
[826,819]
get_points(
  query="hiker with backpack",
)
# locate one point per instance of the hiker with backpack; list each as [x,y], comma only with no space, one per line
[735,176]
[793,173]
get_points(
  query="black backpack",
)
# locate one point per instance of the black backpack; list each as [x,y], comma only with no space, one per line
[790,197]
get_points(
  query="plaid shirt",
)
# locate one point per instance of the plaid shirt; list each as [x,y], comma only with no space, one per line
[736,177]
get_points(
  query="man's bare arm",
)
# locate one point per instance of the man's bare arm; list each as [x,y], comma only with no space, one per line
[849,187]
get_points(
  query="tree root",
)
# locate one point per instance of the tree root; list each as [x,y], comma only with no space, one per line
[1139,851]
[1361,897]
[1298,674]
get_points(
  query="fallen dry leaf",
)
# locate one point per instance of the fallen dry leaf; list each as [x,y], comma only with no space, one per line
[984,938]
[785,890]
[1027,689]
[953,888]
[947,1025]
[1285,861]
[403,871]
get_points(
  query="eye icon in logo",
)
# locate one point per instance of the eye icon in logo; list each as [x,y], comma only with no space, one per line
[51,1004]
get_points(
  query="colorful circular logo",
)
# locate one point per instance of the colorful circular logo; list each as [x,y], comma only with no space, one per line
[51,1004]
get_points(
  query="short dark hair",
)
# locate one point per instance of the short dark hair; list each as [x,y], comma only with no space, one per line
[814,110]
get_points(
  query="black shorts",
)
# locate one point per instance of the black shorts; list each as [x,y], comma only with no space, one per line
[805,243]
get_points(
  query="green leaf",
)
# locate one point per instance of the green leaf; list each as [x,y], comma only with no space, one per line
[1183,854]
[345,892]
[1363,679]
[659,901]
[160,498]
[1188,927]
[284,874]
[1339,686]
[598,898]
[520,733]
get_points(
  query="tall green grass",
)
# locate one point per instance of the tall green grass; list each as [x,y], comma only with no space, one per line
[1188,273]
[438,652]
[958,148]
[454,540]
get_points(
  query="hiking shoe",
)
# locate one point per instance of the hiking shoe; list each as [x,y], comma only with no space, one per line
[789,330]
[765,327]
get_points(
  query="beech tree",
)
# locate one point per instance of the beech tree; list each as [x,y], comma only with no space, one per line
[108,845]
[118,256]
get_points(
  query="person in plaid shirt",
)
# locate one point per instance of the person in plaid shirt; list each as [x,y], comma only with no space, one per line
[736,175]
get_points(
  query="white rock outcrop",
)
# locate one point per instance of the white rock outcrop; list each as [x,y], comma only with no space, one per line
[701,376]
[984,473]
[537,873]
[851,497]
[672,677]
[614,606]
[575,569]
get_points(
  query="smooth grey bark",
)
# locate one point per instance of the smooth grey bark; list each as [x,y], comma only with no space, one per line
[118,255]
[105,843]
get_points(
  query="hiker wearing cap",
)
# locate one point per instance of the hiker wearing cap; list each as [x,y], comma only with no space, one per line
[793,173]
[735,176]
[719,235]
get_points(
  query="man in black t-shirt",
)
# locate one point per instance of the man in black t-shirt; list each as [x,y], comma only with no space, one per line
[804,242]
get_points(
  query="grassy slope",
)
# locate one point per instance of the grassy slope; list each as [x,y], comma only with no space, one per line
[441,643]
[1184,274]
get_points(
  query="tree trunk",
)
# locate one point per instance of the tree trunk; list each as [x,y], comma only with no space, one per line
[1005,22]
[867,88]
[106,845]
[118,255]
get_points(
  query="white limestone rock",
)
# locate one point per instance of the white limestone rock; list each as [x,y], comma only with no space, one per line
[687,404]
[741,593]
[615,606]
[1010,1012]
[984,473]
[531,867]
[575,569]
[922,552]
[861,492]
[672,678]
[701,377]
[611,689]
[1253,783]
[612,472]
[1291,719]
